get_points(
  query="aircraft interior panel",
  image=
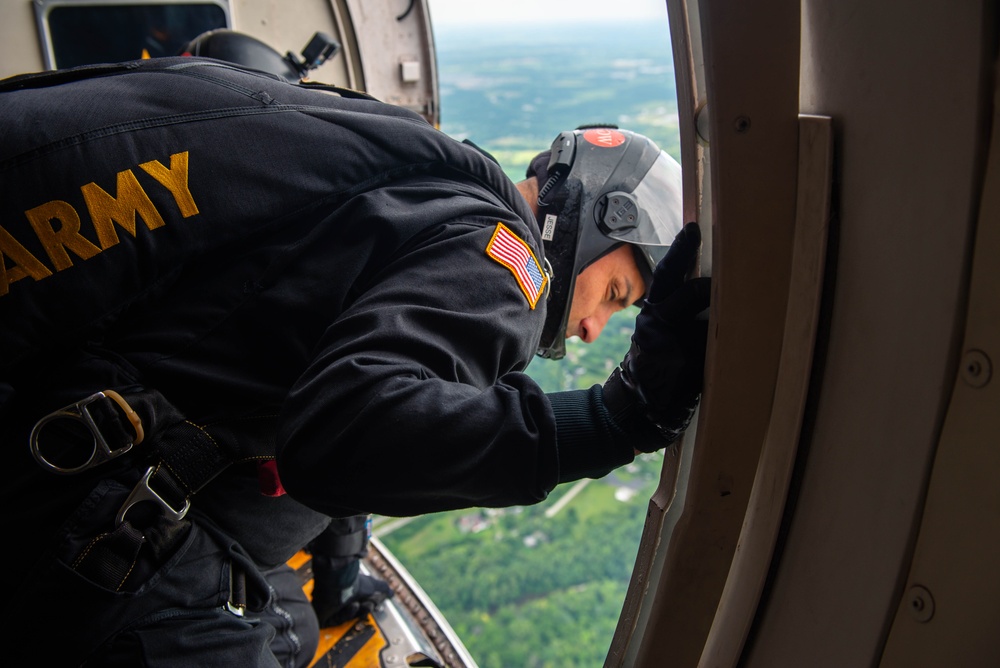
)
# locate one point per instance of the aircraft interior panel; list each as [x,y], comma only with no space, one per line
[20,50]
[908,92]
[908,173]
[398,54]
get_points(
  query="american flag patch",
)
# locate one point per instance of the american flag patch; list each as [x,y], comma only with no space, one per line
[507,248]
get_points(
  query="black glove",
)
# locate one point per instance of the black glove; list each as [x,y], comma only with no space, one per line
[659,382]
[342,593]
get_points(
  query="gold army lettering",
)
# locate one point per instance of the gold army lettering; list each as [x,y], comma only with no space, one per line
[105,212]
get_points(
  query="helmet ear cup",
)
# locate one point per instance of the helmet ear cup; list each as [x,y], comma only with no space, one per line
[617,211]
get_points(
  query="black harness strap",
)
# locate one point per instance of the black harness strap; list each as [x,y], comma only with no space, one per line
[182,459]
[191,455]
[110,558]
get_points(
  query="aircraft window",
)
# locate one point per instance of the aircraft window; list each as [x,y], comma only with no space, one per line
[82,34]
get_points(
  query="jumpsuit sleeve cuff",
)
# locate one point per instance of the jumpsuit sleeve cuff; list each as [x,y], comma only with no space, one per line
[589,443]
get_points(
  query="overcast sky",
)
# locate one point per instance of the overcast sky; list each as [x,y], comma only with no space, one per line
[452,12]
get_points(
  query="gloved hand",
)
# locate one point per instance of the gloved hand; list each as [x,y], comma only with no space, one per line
[342,594]
[659,382]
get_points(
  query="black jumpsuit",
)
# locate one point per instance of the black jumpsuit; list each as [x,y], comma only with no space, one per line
[328,266]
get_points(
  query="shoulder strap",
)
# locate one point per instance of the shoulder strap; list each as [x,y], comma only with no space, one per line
[57,77]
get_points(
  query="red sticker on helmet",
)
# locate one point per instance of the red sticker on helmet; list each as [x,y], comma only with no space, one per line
[604,137]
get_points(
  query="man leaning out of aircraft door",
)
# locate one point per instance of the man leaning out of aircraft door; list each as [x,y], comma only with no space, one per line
[233,308]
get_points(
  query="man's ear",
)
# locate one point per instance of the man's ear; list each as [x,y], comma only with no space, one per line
[529,191]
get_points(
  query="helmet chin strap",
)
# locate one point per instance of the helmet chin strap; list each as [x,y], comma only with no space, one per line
[558,265]
[555,349]
[560,257]
[557,296]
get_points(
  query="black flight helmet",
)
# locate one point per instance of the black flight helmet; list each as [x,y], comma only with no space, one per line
[242,49]
[600,187]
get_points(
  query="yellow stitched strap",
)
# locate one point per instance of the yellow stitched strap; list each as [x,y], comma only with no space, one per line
[132,416]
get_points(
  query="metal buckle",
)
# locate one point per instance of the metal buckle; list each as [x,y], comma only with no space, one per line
[238,610]
[78,412]
[143,492]
[549,273]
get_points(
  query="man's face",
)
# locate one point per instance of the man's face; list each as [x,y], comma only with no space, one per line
[608,285]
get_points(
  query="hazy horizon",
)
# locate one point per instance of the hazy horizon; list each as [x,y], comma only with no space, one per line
[550,12]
